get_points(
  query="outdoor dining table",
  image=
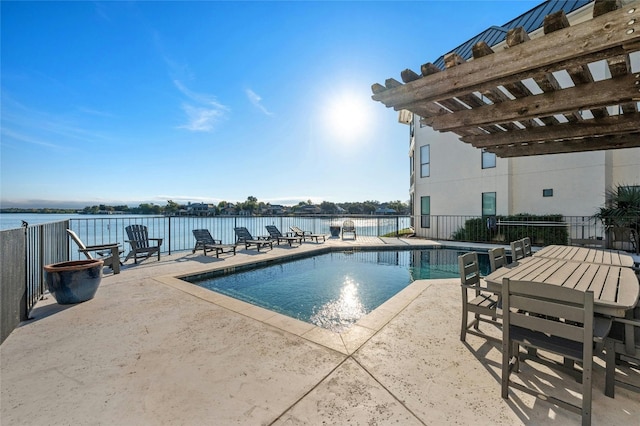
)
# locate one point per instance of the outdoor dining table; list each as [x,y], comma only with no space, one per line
[584,254]
[615,288]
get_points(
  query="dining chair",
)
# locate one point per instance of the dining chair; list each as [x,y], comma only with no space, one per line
[622,345]
[482,303]
[517,250]
[555,319]
[497,258]
[526,247]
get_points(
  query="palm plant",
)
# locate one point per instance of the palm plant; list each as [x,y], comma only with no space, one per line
[622,211]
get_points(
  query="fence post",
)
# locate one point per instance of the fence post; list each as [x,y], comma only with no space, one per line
[169,235]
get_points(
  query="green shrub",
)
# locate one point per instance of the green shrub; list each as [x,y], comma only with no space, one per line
[479,230]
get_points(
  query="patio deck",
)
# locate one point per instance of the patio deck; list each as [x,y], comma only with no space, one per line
[148,350]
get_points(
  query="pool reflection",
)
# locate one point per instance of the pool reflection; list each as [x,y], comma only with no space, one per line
[338,315]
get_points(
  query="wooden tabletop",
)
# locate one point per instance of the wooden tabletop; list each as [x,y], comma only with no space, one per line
[615,288]
[585,254]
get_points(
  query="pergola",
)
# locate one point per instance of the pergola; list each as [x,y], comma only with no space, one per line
[511,103]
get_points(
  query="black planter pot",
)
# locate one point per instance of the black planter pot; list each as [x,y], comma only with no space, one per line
[75,281]
[335,231]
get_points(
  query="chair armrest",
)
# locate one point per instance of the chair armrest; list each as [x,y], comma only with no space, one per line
[99,247]
[601,328]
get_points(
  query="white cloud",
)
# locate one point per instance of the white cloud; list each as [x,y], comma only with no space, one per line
[256,100]
[203,111]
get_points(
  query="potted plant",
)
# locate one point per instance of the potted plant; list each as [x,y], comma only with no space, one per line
[74,281]
[621,215]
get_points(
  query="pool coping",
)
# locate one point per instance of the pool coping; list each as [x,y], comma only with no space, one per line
[346,342]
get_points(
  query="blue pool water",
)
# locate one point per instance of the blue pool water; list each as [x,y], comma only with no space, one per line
[334,290]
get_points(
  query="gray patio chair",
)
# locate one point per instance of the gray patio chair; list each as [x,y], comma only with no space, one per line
[623,346]
[497,258]
[555,319]
[243,236]
[276,235]
[141,245]
[108,253]
[348,227]
[205,241]
[526,247]
[482,303]
[517,250]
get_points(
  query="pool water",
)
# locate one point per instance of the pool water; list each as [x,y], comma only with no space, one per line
[334,290]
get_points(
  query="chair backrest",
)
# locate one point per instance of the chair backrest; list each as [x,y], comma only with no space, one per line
[203,235]
[348,226]
[526,246]
[138,235]
[79,242]
[497,258]
[242,234]
[273,231]
[551,309]
[469,269]
[517,250]
[299,232]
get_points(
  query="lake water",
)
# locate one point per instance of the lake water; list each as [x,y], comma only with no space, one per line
[177,231]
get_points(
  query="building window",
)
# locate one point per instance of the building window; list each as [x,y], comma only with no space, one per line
[488,159]
[424,161]
[425,212]
[488,204]
[547,192]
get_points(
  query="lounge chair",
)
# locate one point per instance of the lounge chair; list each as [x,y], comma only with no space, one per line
[205,241]
[108,253]
[307,234]
[243,236]
[141,245]
[276,235]
[348,227]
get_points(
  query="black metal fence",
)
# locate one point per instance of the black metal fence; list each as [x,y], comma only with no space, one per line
[24,253]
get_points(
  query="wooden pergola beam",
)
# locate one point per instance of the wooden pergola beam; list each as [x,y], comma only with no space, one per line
[586,96]
[596,39]
[631,140]
[611,125]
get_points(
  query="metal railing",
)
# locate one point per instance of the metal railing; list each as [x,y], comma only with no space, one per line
[495,230]
[24,253]
[176,231]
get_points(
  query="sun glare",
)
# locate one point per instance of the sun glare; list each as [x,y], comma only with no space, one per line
[347,117]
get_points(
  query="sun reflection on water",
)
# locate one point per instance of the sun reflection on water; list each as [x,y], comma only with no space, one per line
[338,315]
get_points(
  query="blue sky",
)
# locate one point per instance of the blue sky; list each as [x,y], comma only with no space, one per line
[131,102]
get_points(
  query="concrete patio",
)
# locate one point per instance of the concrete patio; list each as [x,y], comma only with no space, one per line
[150,349]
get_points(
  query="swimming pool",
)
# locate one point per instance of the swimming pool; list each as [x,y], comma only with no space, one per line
[334,290]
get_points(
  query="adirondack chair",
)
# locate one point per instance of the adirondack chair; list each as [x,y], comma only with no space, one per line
[276,235]
[243,236]
[108,253]
[205,241]
[141,245]
[348,227]
[306,234]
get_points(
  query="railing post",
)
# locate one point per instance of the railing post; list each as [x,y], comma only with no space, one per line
[169,236]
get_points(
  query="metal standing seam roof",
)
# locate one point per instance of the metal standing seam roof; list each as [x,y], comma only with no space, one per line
[530,21]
